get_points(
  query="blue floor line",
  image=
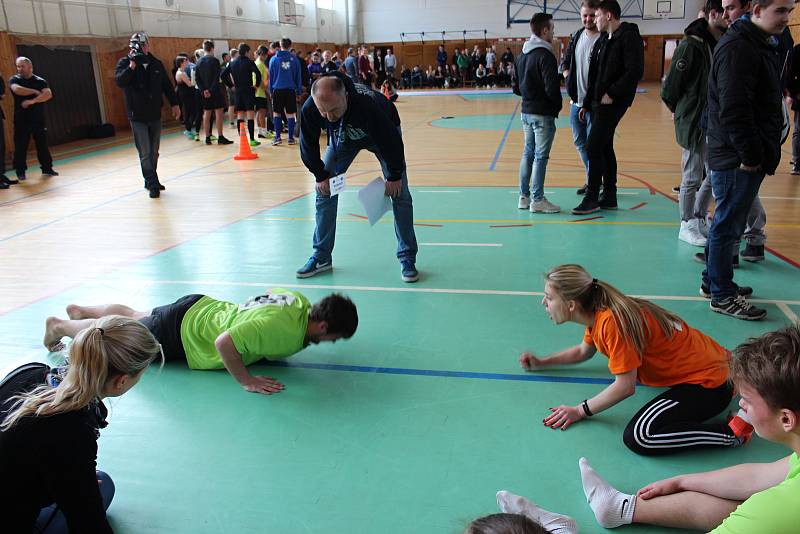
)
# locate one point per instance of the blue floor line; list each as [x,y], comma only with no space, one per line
[446,374]
[503,140]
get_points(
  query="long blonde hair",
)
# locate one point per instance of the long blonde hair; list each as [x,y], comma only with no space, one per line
[114,346]
[573,282]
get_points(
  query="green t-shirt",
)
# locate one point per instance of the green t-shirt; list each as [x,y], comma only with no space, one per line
[261,92]
[772,511]
[271,326]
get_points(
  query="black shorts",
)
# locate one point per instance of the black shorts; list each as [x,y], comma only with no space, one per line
[215,101]
[261,102]
[245,99]
[284,101]
[164,323]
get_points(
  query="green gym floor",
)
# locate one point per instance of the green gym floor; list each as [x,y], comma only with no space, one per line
[413,424]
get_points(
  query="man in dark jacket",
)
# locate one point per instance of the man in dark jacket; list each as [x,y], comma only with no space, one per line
[793,87]
[536,81]
[745,122]
[355,118]
[144,80]
[616,67]
[575,69]
[684,92]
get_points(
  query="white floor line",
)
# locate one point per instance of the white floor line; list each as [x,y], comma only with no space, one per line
[788,312]
[619,193]
[421,289]
[461,244]
[779,198]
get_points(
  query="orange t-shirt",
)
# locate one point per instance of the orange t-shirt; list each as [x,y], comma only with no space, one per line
[688,357]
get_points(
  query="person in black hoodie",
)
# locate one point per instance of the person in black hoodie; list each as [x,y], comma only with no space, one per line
[50,420]
[536,81]
[355,118]
[745,123]
[144,80]
[615,69]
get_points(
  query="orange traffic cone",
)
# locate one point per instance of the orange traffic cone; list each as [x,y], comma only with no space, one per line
[244,145]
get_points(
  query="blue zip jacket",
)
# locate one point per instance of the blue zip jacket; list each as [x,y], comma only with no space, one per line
[284,72]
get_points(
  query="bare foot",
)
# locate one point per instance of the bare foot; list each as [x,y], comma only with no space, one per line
[74,312]
[52,335]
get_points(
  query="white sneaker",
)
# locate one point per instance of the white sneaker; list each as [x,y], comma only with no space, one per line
[690,233]
[524,202]
[544,206]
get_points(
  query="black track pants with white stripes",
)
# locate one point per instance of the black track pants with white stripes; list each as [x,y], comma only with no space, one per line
[675,421]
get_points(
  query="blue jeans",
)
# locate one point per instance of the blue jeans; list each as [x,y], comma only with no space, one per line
[147,137]
[580,132]
[734,190]
[337,162]
[52,521]
[539,133]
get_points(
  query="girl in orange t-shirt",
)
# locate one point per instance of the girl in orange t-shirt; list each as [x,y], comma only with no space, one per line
[647,344]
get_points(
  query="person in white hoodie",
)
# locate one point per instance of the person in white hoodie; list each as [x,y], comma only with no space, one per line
[536,81]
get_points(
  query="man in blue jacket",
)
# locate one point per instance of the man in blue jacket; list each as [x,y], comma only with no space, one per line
[355,118]
[144,80]
[285,87]
[536,81]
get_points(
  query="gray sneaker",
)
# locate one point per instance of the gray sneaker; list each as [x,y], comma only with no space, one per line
[544,206]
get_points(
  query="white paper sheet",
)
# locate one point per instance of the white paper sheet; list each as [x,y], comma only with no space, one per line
[337,184]
[373,198]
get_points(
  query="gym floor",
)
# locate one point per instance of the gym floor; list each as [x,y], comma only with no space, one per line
[414,423]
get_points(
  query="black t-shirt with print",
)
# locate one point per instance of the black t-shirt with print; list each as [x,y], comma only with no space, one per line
[34,113]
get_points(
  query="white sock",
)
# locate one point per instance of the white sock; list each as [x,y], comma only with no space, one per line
[611,508]
[554,523]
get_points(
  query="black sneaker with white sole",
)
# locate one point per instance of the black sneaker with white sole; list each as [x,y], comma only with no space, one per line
[753,253]
[587,205]
[738,308]
[742,291]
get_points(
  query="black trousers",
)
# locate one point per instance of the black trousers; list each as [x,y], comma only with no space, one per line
[675,421]
[22,134]
[600,149]
[2,148]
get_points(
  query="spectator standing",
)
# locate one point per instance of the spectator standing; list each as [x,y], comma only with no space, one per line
[144,82]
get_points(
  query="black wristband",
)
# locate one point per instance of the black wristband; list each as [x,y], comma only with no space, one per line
[586,409]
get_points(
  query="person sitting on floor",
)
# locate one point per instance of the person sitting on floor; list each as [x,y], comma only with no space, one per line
[645,344]
[50,420]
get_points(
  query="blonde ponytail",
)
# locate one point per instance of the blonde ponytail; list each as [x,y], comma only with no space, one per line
[114,346]
[573,282]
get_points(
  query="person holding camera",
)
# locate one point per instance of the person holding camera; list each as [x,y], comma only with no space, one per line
[144,79]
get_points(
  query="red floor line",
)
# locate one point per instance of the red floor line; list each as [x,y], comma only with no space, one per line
[639,205]
[588,219]
[510,225]
[359,216]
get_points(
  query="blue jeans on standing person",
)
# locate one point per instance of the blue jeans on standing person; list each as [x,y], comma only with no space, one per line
[734,190]
[539,133]
[52,521]
[147,137]
[580,132]
[337,162]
